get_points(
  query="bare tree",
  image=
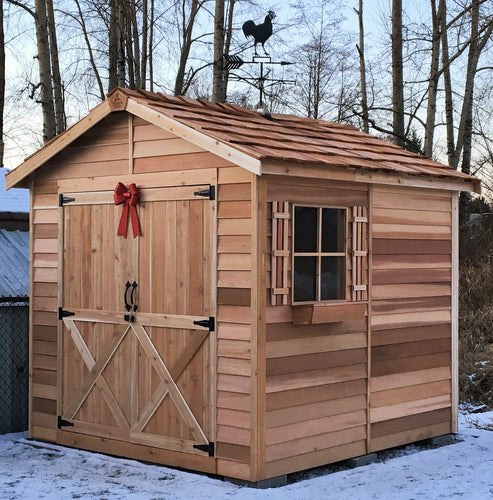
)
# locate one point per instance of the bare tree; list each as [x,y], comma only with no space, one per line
[145,31]
[188,17]
[477,43]
[45,77]
[397,75]
[218,93]
[362,68]
[223,34]
[60,122]
[80,20]
[322,62]
[2,82]
[436,16]
[116,45]
[447,83]
[151,48]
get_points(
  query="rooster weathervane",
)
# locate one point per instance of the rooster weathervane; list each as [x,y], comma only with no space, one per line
[260,32]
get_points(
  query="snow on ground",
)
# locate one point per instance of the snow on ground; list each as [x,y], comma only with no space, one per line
[32,470]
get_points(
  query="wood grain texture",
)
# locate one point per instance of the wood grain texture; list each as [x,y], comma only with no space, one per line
[397,425]
[316,458]
[313,394]
[417,434]
[139,452]
[411,315]
[317,377]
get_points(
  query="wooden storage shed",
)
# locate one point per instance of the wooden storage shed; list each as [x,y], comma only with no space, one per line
[290,301]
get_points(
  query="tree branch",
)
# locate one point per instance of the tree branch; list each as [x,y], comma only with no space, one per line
[22,6]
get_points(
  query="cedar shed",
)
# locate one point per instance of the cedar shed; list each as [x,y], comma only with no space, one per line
[289,299]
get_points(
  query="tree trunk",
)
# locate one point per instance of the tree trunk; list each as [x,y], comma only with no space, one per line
[151,49]
[120,30]
[218,94]
[187,27]
[113,46]
[433,78]
[464,133]
[134,33]
[2,82]
[94,67]
[49,127]
[397,75]
[227,46]
[447,84]
[362,69]
[127,30]
[60,122]
[143,64]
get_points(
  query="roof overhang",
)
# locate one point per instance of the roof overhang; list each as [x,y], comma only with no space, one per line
[349,174]
[119,101]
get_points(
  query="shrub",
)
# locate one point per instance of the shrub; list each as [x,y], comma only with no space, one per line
[476,308]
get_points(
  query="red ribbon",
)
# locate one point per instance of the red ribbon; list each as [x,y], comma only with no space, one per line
[129,197]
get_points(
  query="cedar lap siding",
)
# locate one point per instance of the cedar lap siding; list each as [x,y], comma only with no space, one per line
[276,387]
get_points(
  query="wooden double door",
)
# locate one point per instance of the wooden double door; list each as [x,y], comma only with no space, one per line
[137,320]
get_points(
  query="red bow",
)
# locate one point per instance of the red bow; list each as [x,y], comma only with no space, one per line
[130,198]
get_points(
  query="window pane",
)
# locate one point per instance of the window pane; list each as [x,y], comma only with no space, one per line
[305,229]
[305,271]
[333,225]
[332,286]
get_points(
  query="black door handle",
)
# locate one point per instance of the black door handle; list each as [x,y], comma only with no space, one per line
[127,288]
[134,286]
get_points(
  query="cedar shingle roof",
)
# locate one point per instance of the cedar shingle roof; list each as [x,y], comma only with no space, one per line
[289,138]
[260,140]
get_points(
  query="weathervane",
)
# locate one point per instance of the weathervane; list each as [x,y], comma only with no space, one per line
[260,33]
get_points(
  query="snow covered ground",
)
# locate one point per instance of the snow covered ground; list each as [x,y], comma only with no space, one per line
[30,470]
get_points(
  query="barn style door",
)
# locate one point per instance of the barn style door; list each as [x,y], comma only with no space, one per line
[137,318]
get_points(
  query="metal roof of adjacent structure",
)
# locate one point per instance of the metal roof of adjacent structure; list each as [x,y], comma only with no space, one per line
[14,263]
[16,201]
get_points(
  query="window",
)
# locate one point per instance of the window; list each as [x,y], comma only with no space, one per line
[319,257]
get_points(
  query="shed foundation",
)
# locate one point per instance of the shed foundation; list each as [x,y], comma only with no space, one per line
[273,482]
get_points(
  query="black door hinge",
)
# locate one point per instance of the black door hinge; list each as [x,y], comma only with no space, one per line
[207,448]
[210,193]
[63,314]
[206,323]
[64,199]
[63,423]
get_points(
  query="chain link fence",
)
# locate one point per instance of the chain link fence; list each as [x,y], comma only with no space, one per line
[14,363]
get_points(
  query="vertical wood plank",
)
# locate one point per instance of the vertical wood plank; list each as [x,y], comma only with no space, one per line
[210,235]
[368,318]
[355,246]
[31,308]
[130,143]
[455,310]
[285,246]
[258,310]
[273,257]
[60,304]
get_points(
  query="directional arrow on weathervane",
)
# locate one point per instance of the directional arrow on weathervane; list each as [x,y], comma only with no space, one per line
[232,62]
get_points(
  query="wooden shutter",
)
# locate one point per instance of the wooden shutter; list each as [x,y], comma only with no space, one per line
[280,253]
[359,244]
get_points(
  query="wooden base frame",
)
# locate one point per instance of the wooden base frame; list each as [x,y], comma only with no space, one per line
[138,452]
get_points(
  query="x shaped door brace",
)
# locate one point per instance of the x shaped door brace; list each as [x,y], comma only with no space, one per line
[166,387]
